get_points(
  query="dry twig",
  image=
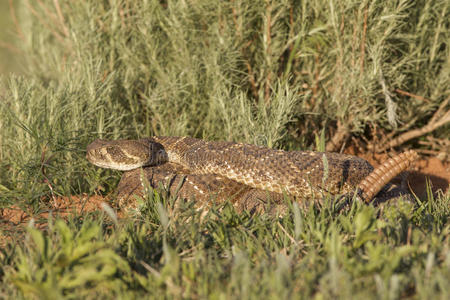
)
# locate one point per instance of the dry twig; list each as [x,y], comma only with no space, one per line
[435,122]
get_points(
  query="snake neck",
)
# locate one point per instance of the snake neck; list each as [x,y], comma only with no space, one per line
[175,147]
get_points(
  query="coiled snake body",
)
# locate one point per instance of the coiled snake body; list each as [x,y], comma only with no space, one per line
[243,173]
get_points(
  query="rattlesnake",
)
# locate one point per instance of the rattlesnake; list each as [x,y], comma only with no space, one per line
[246,174]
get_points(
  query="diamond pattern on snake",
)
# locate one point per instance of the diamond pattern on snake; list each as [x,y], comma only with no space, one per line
[249,176]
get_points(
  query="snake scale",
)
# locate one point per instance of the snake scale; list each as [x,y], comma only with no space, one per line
[247,175]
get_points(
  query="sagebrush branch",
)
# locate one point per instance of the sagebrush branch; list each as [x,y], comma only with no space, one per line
[434,123]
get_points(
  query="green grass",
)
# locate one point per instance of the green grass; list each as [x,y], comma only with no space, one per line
[322,252]
[285,74]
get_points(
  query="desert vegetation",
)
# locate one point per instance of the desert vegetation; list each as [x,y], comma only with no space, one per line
[317,75]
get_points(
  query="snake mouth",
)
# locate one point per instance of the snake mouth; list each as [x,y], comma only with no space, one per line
[119,167]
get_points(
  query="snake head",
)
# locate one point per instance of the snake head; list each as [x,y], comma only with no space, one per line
[125,155]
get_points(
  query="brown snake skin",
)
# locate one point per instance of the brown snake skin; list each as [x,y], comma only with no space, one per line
[204,189]
[247,175]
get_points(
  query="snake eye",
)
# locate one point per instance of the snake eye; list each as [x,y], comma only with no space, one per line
[157,154]
[161,156]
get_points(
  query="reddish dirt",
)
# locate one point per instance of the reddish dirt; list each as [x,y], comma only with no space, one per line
[60,206]
[13,220]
